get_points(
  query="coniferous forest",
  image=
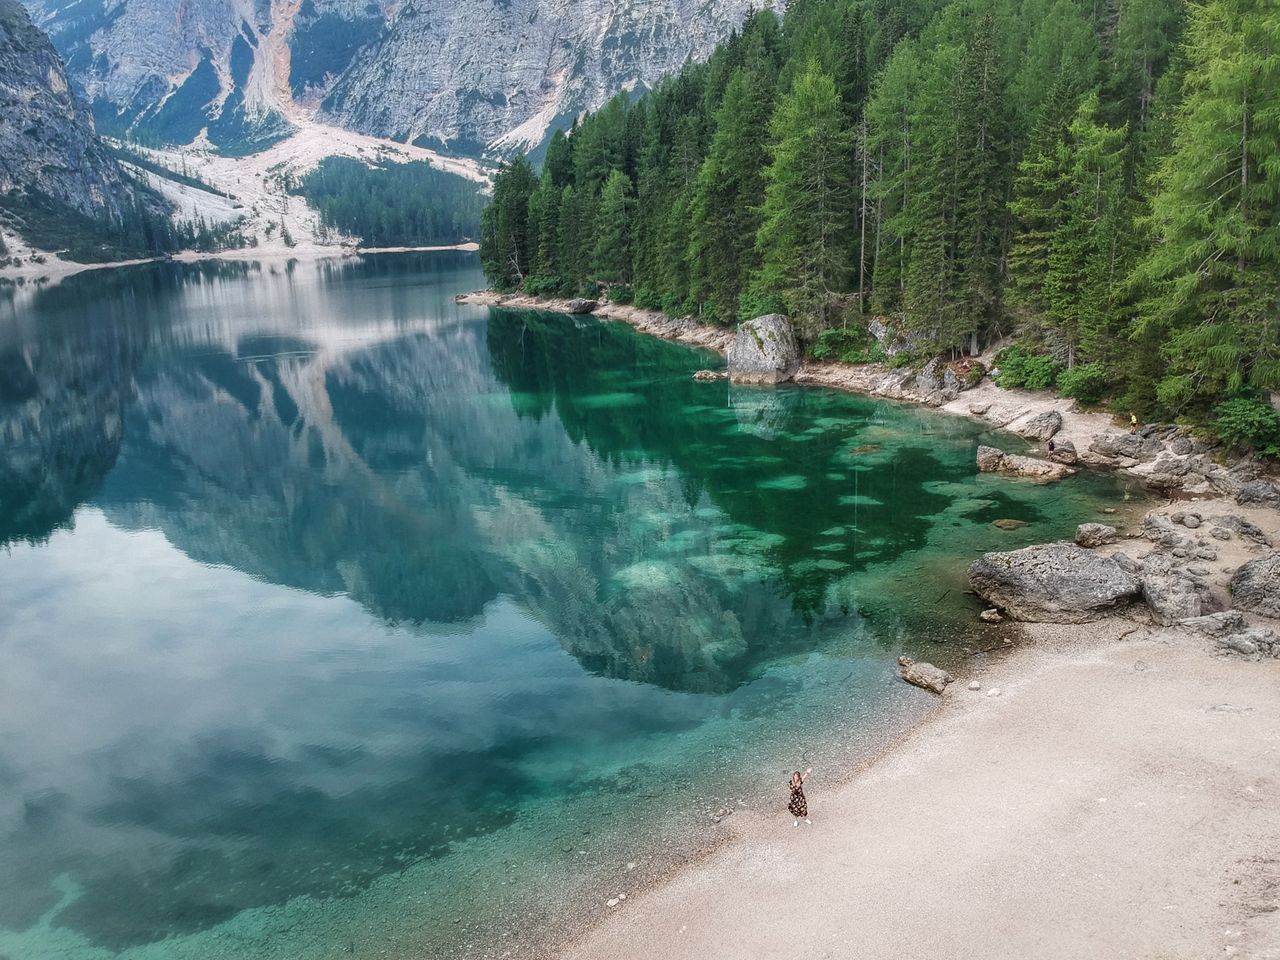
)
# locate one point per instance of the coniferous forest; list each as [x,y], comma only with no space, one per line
[1097,179]
[394,204]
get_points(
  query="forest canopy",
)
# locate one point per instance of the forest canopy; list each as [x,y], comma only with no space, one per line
[1099,180]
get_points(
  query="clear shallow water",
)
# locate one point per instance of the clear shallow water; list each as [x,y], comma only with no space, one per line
[340,619]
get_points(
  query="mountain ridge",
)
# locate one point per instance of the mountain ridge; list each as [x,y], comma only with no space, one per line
[470,76]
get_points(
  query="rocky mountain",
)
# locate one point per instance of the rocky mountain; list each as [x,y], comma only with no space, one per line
[469,75]
[50,155]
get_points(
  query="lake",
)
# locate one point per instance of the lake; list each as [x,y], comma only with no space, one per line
[342,620]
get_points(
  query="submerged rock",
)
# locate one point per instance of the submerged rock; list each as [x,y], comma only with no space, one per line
[1053,583]
[924,675]
[1008,523]
[765,350]
[711,375]
[1095,534]
[1256,586]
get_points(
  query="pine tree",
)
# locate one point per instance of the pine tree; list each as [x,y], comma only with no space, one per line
[725,214]
[1216,212]
[889,147]
[506,251]
[1085,262]
[611,256]
[803,240]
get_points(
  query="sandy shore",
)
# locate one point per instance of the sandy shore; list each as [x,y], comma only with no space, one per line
[1117,799]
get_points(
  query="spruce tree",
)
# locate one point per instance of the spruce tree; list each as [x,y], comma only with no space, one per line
[803,239]
[611,256]
[1216,213]
[725,211]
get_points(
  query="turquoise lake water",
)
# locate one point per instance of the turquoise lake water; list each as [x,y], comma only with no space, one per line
[341,620]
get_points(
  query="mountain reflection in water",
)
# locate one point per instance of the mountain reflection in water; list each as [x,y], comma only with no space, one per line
[293,552]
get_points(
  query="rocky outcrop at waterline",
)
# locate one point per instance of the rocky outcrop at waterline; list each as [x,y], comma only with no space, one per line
[1095,534]
[1053,583]
[991,460]
[765,350]
[1185,573]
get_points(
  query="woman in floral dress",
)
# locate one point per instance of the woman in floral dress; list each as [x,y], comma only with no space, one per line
[798,805]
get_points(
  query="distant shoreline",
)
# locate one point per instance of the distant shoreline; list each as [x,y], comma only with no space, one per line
[55,268]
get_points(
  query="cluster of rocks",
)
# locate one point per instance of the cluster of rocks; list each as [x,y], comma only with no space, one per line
[1166,459]
[1076,583]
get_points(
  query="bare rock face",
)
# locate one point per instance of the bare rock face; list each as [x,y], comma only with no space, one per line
[991,460]
[1256,586]
[48,147]
[926,675]
[1095,534]
[1053,583]
[764,351]
[579,305]
[469,75]
[1042,427]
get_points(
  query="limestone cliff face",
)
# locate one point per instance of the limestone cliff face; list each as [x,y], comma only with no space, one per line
[47,141]
[473,75]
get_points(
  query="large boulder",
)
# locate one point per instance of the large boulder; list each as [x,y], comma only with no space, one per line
[991,460]
[1173,596]
[1256,586]
[925,675]
[1258,491]
[1041,427]
[1124,446]
[1053,583]
[765,350]
[1064,452]
[579,305]
[1095,534]
[1161,531]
